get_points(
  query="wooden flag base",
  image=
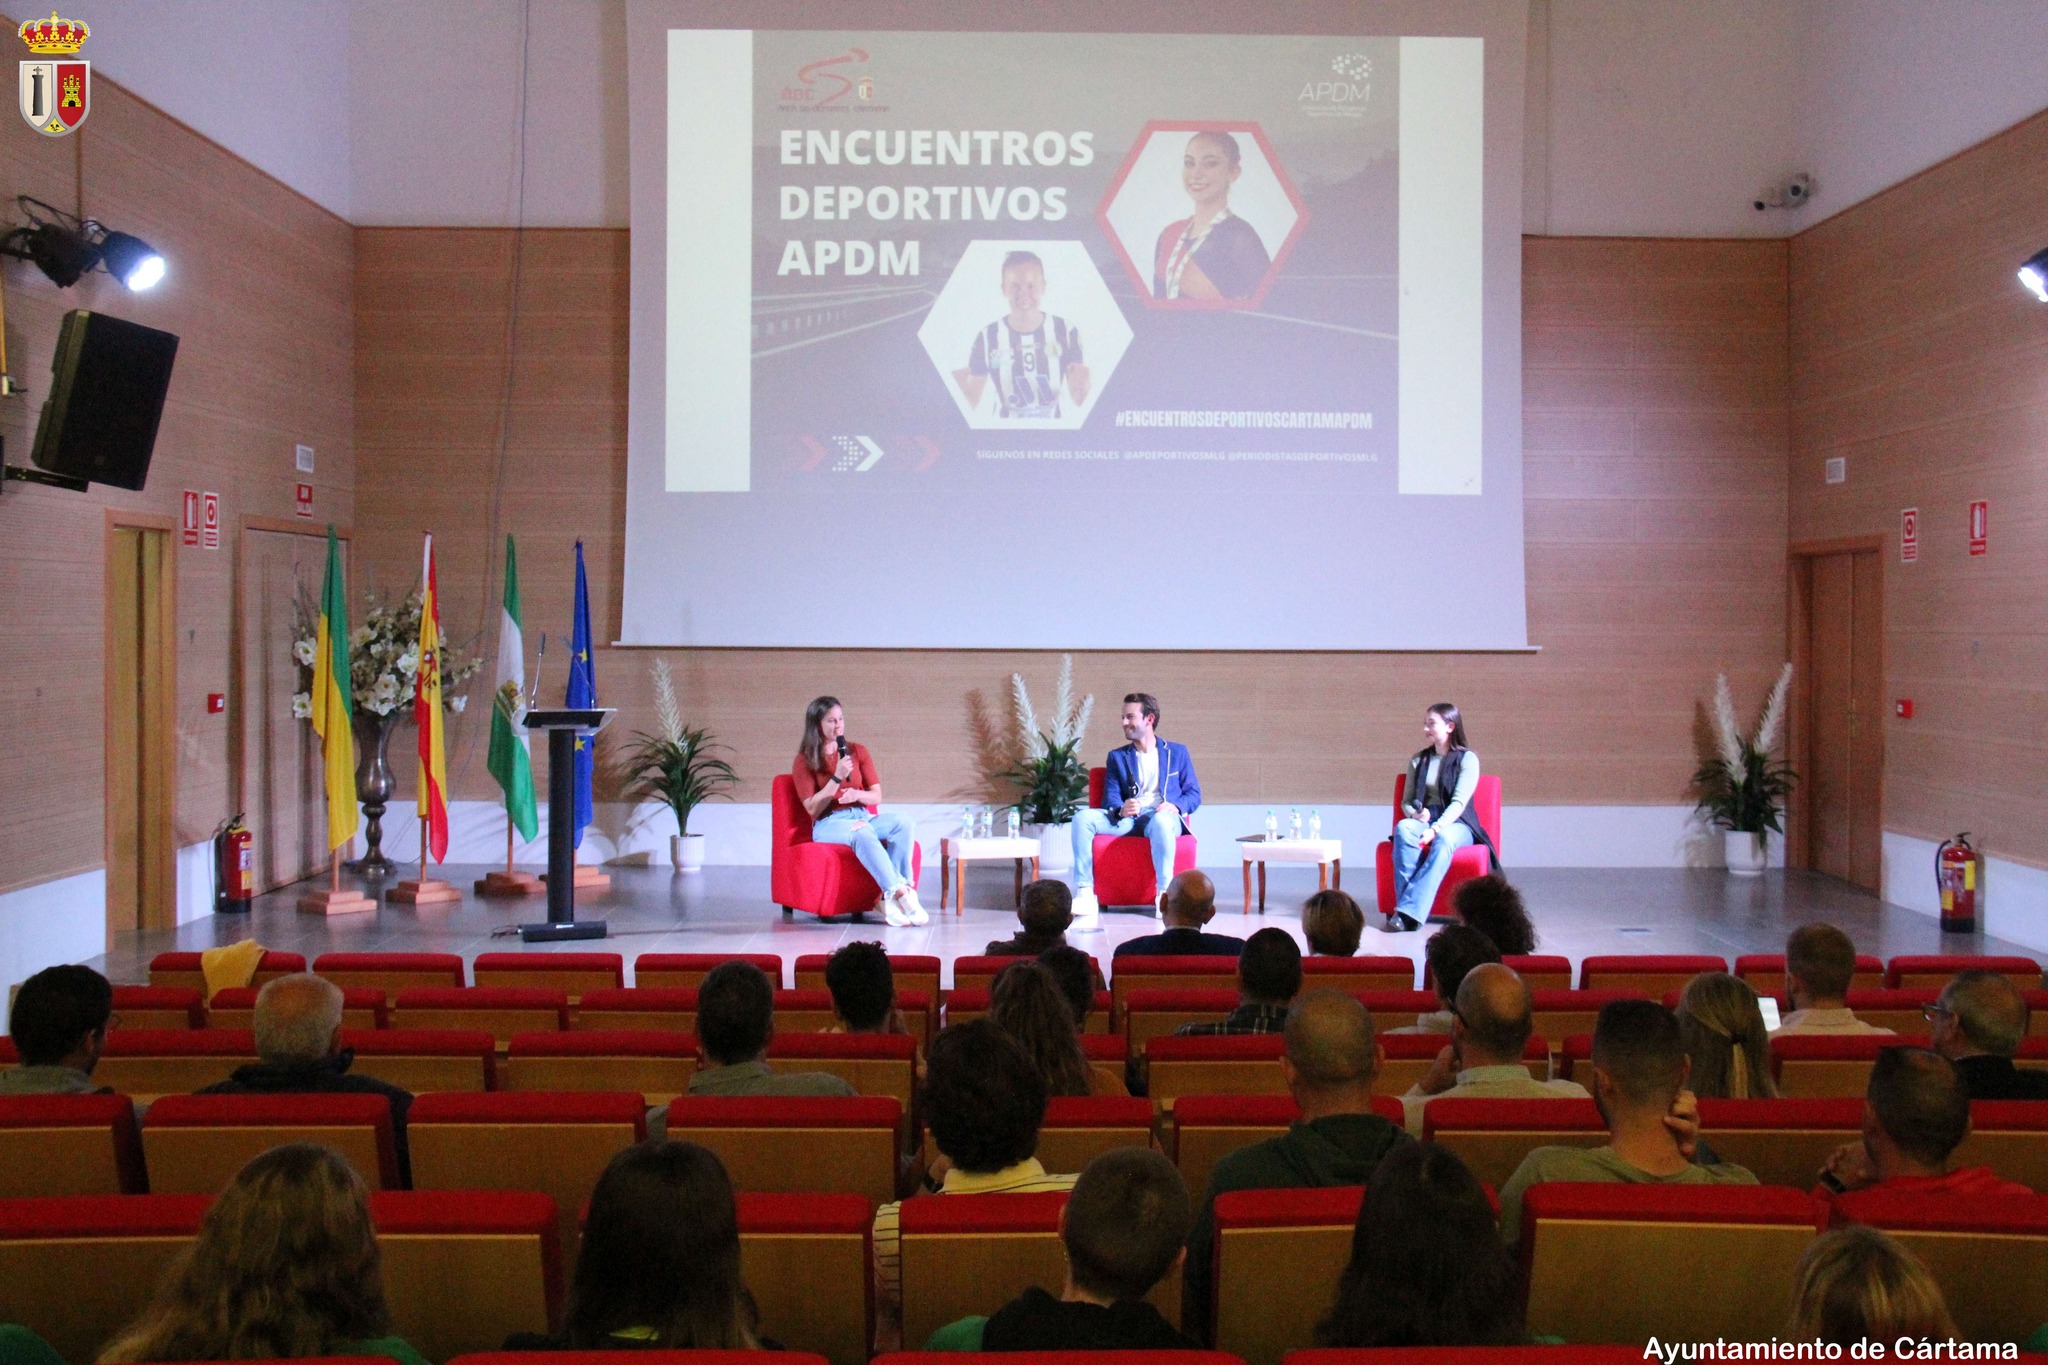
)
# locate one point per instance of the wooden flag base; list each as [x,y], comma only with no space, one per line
[336,901]
[427,891]
[588,878]
[510,885]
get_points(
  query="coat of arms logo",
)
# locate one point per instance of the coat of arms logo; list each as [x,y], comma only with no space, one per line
[55,95]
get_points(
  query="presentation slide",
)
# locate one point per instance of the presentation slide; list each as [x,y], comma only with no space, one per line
[1072,340]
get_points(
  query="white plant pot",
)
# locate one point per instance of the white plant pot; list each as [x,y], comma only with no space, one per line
[1746,852]
[686,852]
[1055,848]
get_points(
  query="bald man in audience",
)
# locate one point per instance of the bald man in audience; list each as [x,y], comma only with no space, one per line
[1490,1026]
[1916,1113]
[1329,1061]
[1188,903]
[1978,1023]
[1639,1070]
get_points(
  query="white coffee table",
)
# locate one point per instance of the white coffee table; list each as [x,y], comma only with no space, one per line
[1326,854]
[960,851]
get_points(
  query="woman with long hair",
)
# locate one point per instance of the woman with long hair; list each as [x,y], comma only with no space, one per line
[1856,1285]
[1437,816]
[1427,1265]
[1026,1002]
[1723,1030]
[840,791]
[285,1265]
[660,1262]
[1212,254]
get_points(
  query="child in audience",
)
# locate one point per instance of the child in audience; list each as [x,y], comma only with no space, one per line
[863,986]
[1124,1230]
[1493,907]
[285,1265]
[1857,1285]
[660,1262]
[1332,923]
[1427,1265]
[1026,1003]
[1722,1028]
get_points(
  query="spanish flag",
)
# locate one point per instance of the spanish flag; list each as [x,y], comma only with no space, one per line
[426,715]
[333,706]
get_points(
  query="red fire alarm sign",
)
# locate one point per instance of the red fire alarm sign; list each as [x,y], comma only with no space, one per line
[1903,708]
[209,526]
[190,524]
[303,500]
[1909,535]
[216,702]
[1980,526]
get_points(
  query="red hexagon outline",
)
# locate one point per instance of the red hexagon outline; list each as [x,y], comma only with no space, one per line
[1143,278]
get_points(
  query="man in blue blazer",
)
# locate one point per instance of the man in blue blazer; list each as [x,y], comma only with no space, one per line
[1150,788]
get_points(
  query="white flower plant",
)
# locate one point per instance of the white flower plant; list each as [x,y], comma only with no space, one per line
[384,660]
[1050,772]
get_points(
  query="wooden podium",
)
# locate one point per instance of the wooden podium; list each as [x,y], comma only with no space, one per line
[564,725]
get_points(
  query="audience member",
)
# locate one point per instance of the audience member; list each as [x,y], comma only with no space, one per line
[1427,1265]
[1025,1002]
[1915,1114]
[1723,1030]
[735,1020]
[1490,1029]
[1268,979]
[1820,961]
[1451,952]
[1639,1071]
[659,1267]
[1977,1023]
[285,1265]
[20,1346]
[1332,923]
[298,1052]
[1125,1229]
[1857,1286]
[1494,907]
[1188,903]
[59,1026]
[1074,971]
[863,987]
[983,1101]
[1328,1064]
[1046,912]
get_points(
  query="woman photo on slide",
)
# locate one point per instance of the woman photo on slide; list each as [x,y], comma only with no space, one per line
[1212,255]
[837,784]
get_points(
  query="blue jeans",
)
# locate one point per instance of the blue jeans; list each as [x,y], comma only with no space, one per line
[1418,873]
[1163,829]
[881,842]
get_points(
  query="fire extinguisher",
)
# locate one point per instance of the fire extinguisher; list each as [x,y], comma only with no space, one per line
[1955,876]
[234,867]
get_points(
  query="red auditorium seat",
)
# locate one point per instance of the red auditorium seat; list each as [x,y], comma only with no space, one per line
[77,1270]
[1392,1010]
[144,1063]
[2037,1012]
[686,971]
[1817,1066]
[1207,1128]
[1600,1260]
[1541,971]
[1105,1047]
[1492,1136]
[803,1011]
[182,969]
[464,1271]
[195,1144]
[2011,1137]
[1557,1015]
[915,972]
[1166,973]
[1279,1255]
[818,879]
[872,1063]
[69,1145]
[1934,970]
[1650,974]
[390,971]
[964,1003]
[979,973]
[1150,1012]
[1124,874]
[1989,1254]
[1765,972]
[159,1007]
[423,1060]
[809,1260]
[1248,1064]
[573,973]
[1357,974]
[797,1144]
[1901,1011]
[1468,862]
[656,1065]
[499,1010]
[1409,1057]
[1781,1142]
[664,1009]
[1079,1128]
[362,1007]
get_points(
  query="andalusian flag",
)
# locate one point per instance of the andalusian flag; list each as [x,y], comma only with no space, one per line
[509,760]
[427,716]
[333,705]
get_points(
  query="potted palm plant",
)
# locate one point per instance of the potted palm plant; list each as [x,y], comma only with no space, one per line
[1743,787]
[676,766]
[1050,772]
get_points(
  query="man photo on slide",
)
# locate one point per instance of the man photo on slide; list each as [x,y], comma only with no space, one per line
[1033,355]
[1149,788]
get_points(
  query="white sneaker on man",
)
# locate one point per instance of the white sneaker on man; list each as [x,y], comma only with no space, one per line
[1087,910]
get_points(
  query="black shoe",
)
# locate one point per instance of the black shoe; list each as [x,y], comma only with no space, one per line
[1399,924]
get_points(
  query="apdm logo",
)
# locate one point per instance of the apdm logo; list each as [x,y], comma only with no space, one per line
[1343,93]
[55,96]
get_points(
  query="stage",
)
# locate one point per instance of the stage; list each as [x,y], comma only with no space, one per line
[1578,913]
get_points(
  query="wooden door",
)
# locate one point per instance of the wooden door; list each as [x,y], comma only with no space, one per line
[1839,730]
[141,730]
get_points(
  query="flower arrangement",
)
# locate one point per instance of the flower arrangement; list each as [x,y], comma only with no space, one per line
[674,765]
[1743,788]
[384,659]
[1050,772]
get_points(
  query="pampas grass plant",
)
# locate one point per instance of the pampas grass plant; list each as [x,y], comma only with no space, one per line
[1743,788]
[1050,771]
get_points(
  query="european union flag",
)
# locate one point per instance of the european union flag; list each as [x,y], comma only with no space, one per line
[582,693]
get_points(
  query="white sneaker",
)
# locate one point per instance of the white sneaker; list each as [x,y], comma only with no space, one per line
[913,907]
[893,916]
[1086,908]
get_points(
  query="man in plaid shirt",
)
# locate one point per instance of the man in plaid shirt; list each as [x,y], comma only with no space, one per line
[1268,979]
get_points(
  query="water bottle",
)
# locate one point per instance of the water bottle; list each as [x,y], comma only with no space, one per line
[967,822]
[988,822]
[1315,825]
[1013,818]
[1272,828]
[1294,823]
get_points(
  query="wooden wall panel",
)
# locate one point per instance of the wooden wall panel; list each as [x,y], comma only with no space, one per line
[260,292]
[1917,356]
[1655,483]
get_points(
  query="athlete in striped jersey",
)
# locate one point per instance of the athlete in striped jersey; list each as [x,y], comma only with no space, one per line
[1034,356]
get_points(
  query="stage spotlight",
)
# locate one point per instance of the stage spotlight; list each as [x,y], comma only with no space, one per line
[2034,274]
[65,248]
[131,260]
[57,251]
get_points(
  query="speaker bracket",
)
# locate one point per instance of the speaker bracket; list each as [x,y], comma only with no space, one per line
[44,477]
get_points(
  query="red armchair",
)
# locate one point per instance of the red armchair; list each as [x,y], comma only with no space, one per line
[818,879]
[1468,862]
[1123,862]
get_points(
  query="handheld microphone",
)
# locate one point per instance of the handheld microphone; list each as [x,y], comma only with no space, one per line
[842,746]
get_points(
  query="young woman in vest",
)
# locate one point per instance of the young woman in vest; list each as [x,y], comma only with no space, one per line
[1437,804]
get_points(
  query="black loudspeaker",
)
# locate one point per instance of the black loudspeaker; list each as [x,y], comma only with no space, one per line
[107,391]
